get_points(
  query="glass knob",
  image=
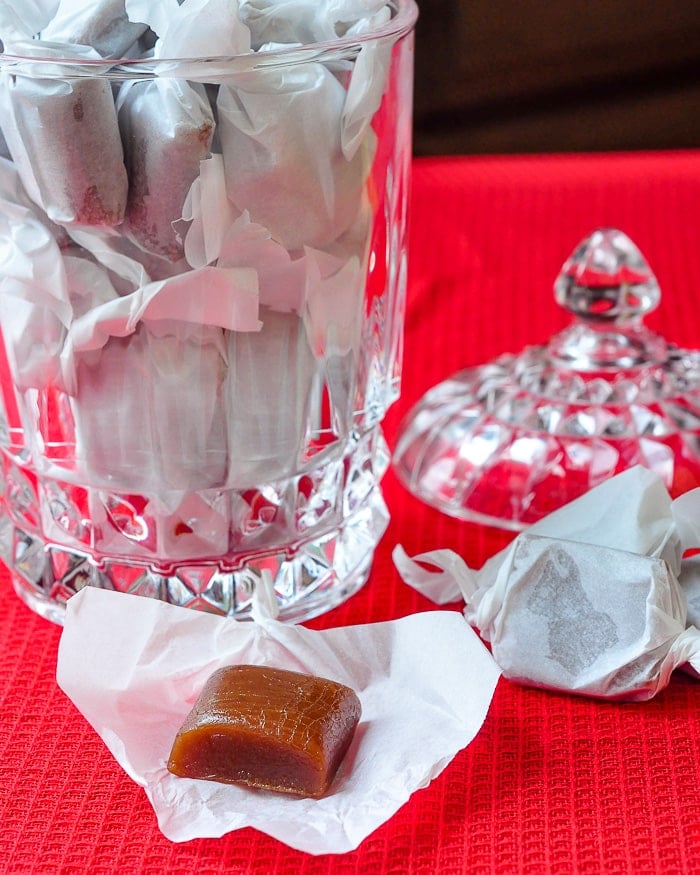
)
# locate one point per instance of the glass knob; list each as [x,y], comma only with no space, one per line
[608,286]
[607,279]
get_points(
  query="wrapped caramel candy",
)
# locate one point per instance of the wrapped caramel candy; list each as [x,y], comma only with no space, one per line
[588,600]
[303,21]
[280,133]
[167,127]
[597,620]
[102,24]
[267,414]
[166,434]
[35,305]
[63,136]
[175,414]
[267,728]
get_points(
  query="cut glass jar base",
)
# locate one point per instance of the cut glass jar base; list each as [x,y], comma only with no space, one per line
[320,575]
[315,544]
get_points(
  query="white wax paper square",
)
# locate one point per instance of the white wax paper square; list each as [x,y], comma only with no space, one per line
[135,666]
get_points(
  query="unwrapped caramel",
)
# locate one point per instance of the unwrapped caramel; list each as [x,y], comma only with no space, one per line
[267,728]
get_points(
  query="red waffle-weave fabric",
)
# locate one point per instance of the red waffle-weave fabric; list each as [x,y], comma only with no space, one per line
[552,783]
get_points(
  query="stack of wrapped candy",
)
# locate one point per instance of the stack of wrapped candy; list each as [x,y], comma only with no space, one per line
[184,253]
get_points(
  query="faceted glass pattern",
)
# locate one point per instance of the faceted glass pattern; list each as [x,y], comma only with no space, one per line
[314,536]
[508,442]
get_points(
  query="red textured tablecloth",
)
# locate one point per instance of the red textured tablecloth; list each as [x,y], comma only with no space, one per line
[552,783]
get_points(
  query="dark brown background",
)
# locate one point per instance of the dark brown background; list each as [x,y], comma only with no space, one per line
[574,75]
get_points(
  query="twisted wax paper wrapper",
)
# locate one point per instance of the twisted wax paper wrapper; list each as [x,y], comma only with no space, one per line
[20,20]
[192,28]
[587,600]
[102,24]
[425,683]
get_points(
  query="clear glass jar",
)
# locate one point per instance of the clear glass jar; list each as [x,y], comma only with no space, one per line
[202,278]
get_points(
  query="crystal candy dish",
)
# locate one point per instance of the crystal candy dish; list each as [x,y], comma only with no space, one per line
[506,443]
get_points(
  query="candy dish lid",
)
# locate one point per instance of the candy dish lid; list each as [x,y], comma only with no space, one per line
[507,442]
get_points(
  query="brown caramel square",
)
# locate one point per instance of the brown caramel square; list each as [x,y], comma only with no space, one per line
[267,728]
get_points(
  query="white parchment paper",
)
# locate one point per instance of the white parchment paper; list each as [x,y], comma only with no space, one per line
[134,667]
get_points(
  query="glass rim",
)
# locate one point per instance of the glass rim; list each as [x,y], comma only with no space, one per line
[401,24]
